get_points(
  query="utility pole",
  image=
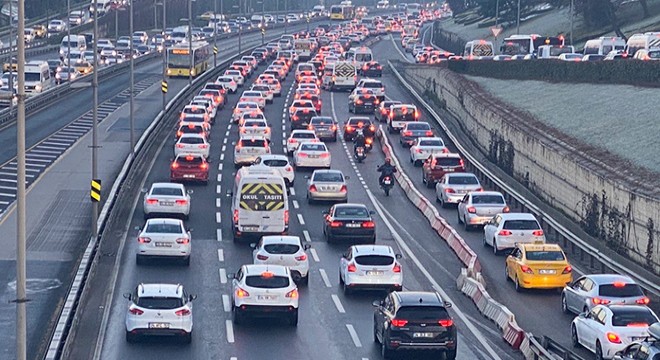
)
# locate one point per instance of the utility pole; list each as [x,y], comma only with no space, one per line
[155,16]
[12,72]
[116,25]
[190,52]
[21,300]
[95,120]
[263,22]
[518,20]
[286,13]
[240,29]
[164,53]
[571,35]
[68,32]
[215,32]
[131,119]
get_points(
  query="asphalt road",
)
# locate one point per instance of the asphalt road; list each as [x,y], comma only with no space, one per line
[339,326]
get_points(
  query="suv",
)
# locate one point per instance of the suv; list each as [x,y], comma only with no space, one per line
[399,114]
[410,320]
[364,101]
[374,85]
[383,111]
[439,164]
[648,349]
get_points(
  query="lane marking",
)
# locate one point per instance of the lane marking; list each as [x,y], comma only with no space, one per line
[230,331]
[224,141]
[295,204]
[224,148]
[315,256]
[223,275]
[292,191]
[220,166]
[218,189]
[218,202]
[354,335]
[306,235]
[218,234]
[300,219]
[226,303]
[222,157]
[219,178]
[218,217]
[338,304]
[221,255]
[325,278]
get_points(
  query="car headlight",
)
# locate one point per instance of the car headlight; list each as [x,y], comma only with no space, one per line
[37,88]
[58,76]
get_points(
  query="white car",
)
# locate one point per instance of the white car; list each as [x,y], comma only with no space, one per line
[452,187]
[159,310]
[228,82]
[243,107]
[313,155]
[298,136]
[247,149]
[166,238]
[191,112]
[255,97]
[327,185]
[284,250]
[255,127]
[194,144]
[108,51]
[165,199]
[203,101]
[280,163]
[606,329]
[264,290]
[300,104]
[374,85]
[424,147]
[370,267]
[504,231]
[313,88]
[101,43]
[251,115]
[236,75]
[265,90]
[273,84]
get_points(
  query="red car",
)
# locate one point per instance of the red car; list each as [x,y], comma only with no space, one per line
[189,168]
[438,165]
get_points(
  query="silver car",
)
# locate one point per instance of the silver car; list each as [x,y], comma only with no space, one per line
[452,187]
[327,185]
[600,289]
[478,208]
[167,199]
[324,127]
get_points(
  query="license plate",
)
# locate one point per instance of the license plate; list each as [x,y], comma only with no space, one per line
[325,188]
[352,225]
[374,272]
[188,176]
[368,104]
[159,325]
[387,181]
[265,297]
[637,338]
[423,335]
[313,156]
[163,244]
[250,228]
[167,203]
[544,271]
[449,170]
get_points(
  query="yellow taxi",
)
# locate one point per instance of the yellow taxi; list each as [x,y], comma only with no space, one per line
[538,266]
[84,67]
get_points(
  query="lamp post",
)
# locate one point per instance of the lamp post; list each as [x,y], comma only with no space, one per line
[95,119]
[286,18]
[164,53]
[68,32]
[190,52]
[132,76]
[518,20]
[215,32]
[571,35]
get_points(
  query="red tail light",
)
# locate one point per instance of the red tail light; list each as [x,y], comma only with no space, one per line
[407,133]
[182,241]
[537,232]
[526,269]
[643,301]
[358,101]
[144,240]
[202,146]
[446,322]
[349,128]
[343,189]
[235,218]
[399,322]
[293,294]
[429,133]
[472,210]
[416,114]
[313,188]
[335,224]
[204,166]
[152,201]
[599,301]
[462,163]
[325,155]
[181,202]
[175,165]
[351,268]
[262,257]
[302,257]
[135,311]
[180,146]
[450,191]
[567,270]
[286,217]
[179,133]
[240,293]
[506,209]
[613,338]
[182,312]
[368,224]
[504,233]
[396,268]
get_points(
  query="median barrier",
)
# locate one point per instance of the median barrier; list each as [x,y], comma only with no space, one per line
[513,334]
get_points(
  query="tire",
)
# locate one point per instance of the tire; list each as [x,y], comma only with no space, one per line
[506,273]
[376,341]
[304,281]
[384,351]
[599,351]
[387,192]
[293,319]
[467,227]
[458,217]
[516,282]
[329,238]
[564,305]
[310,201]
[495,247]
[484,241]
[341,280]
[575,341]
[443,204]
[450,354]
[347,290]
[236,317]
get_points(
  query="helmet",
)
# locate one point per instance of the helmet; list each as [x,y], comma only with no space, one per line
[388,160]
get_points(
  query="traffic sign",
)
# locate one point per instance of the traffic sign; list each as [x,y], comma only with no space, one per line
[163,86]
[215,50]
[496,30]
[263,31]
[95,193]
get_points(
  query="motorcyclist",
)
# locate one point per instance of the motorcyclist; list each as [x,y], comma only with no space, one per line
[387,169]
[359,141]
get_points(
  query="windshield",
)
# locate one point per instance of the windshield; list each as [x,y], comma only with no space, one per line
[363,57]
[545,256]
[556,50]
[191,140]
[253,142]
[351,212]
[521,225]
[431,143]
[418,126]
[174,60]
[161,303]
[312,147]
[275,163]
[164,228]
[463,180]
[448,161]
[267,282]
[32,77]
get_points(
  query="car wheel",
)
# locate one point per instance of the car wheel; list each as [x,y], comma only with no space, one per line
[293,319]
[599,351]
[347,289]
[186,216]
[506,273]
[341,280]
[484,241]
[130,338]
[450,354]
[574,337]
[564,305]
[376,334]
[430,184]
[304,281]
[329,238]
[467,226]
[310,200]
[495,247]
[458,217]
[423,178]
[443,203]
[384,351]
[187,338]
[516,282]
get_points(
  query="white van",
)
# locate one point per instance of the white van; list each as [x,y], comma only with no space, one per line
[553,51]
[644,41]
[303,49]
[359,55]
[476,49]
[603,45]
[104,7]
[180,34]
[344,77]
[260,205]
[37,77]
[75,42]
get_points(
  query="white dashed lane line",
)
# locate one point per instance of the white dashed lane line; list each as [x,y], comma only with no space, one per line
[338,305]
[223,275]
[218,189]
[230,331]
[315,256]
[325,278]
[354,335]
[295,204]
[218,234]
[306,236]
[221,255]
[218,202]
[226,303]
[218,217]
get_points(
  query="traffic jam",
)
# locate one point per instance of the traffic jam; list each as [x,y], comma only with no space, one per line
[336,59]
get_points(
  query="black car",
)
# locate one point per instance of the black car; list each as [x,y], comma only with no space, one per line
[301,118]
[350,222]
[358,122]
[414,320]
[363,103]
[372,69]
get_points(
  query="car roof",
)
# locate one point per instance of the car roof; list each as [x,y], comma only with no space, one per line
[163,221]
[200,136]
[274,157]
[299,131]
[167,185]
[601,279]
[477,193]
[540,247]
[372,250]
[418,298]
[350,205]
[281,239]
[326,171]
[258,269]
[518,216]
[159,290]
[461,174]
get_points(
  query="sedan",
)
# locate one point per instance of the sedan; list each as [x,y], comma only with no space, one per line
[194,144]
[451,188]
[254,96]
[255,127]
[67,74]
[424,147]
[312,154]
[164,238]
[352,222]
[165,199]
[601,289]
[247,149]
[370,267]
[324,127]
[478,208]
[383,111]
[504,231]
[287,251]
[228,82]
[265,90]
[190,168]
[327,185]
[236,76]
[413,130]
[541,266]
[298,136]
[243,107]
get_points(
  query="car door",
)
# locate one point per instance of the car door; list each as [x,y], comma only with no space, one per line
[587,330]
[383,314]
[490,228]
[572,295]
[512,262]
[460,208]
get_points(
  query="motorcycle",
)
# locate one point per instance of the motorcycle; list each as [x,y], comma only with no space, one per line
[360,154]
[387,184]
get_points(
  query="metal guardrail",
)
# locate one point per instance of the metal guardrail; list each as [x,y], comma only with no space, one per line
[563,353]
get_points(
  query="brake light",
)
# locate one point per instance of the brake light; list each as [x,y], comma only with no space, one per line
[613,338]
[286,217]
[179,133]
[135,311]
[461,162]
[537,232]
[144,240]
[450,191]
[302,257]
[202,146]
[235,217]
[504,233]
[182,312]
[302,154]
[368,224]
[351,268]
[335,224]
[416,114]
[175,165]
[472,210]
[599,301]
[383,111]
[343,189]
[181,202]
[526,269]
[325,155]
[506,209]
[643,301]
[152,201]
[292,141]
[396,268]
[567,270]
[619,284]
[399,322]
[429,133]
[293,294]
[240,293]
[262,257]
[182,241]
[349,128]
[446,322]
[180,146]
[204,166]
[313,188]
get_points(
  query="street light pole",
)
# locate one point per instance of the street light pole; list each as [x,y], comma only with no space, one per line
[132,71]
[190,52]
[286,13]
[240,29]
[263,21]
[164,53]
[215,32]
[68,32]
[518,20]
[21,300]
[95,119]
[571,35]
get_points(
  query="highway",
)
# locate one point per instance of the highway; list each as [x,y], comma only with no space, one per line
[59,217]
[339,325]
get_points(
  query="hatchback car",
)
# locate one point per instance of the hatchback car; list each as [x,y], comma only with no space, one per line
[372,69]
[166,199]
[243,107]
[284,250]
[414,320]
[423,147]
[438,165]
[478,208]
[280,163]
[601,289]
[356,123]
[189,168]
[255,127]
[159,310]
[352,222]
[195,144]
[363,101]
[324,127]
[228,82]
[504,231]
[301,117]
[327,185]
[370,267]
[648,349]
[542,266]
[164,238]
[298,136]
[255,97]
[452,187]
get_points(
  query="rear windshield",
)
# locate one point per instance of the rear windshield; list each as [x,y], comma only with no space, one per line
[313,147]
[418,126]
[357,122]
[255,123]
[303,67]
[351,212]
[632,316]
[422,313]
[328,177]
[487,199]
[463,180]
[372,84]
[521,225]
[164,303]
[545,255]
[404,110]
[164,228]
[167,191]
[627,290]
[192,160]
[374,260]
[191,140]
[284,249]
[253,142]
[322,121]
[431,143]
[448,161]
[194,110]
[305,112]
[304,136]
[272,282]
[275,162]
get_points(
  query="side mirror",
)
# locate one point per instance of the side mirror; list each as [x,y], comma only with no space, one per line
[307,246]
[189,191]
[347,177]
[448,304]
[189,229]
[233,143]
[325,212]
[582,315]
[253,245]
[192,297]
[128,296]
[376,303]
[231,276]
[144,190]
[398,256]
